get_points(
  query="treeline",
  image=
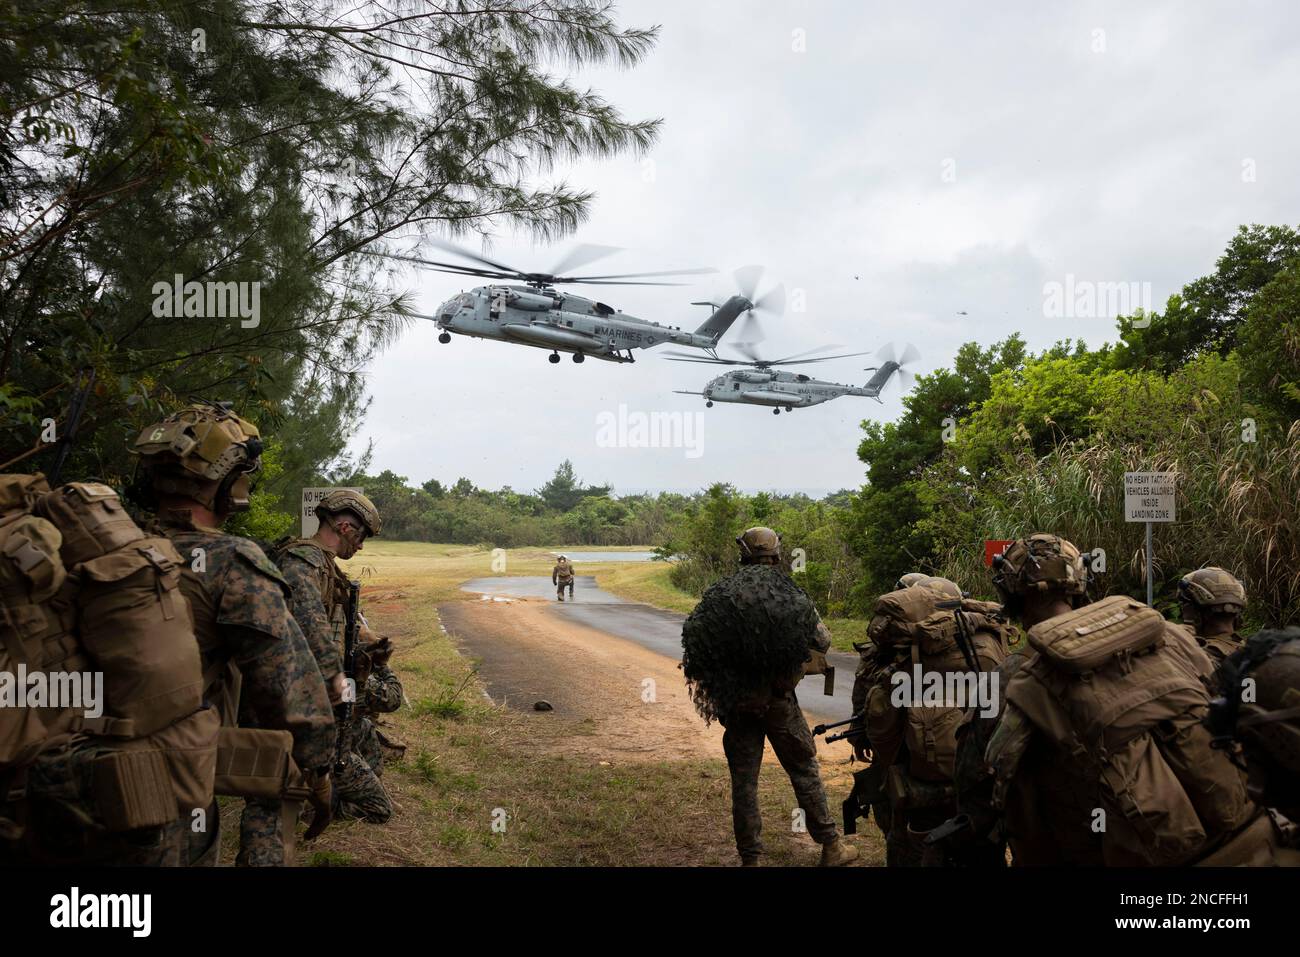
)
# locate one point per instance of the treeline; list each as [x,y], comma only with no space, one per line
[1005,443]
[564,511]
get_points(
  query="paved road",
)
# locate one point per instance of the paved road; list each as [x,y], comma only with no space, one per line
[660,631]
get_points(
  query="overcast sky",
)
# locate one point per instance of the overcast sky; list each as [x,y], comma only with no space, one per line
[899,164]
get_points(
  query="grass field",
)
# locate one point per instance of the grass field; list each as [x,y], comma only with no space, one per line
[469,764]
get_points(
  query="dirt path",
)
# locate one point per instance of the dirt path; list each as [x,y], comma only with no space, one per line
[621,701]
[531,649]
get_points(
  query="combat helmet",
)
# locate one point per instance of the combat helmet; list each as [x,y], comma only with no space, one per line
[189,450]
[910,579]
[758,542]
[1268,724]
[942,587]
[1210,589]
[348,500]
[1040,563]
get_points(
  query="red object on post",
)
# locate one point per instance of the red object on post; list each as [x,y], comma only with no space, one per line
[995,546]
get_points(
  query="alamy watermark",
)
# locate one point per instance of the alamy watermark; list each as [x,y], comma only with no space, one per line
[651,430]
[72,690]
[208,300]
[1086,299]
[946,689]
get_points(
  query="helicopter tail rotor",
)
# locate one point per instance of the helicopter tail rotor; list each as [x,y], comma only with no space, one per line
[894,366]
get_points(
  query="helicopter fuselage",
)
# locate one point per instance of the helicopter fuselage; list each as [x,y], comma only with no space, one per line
[774,387]
[547,319]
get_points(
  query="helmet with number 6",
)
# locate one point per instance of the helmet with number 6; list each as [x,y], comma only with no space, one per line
[204,452]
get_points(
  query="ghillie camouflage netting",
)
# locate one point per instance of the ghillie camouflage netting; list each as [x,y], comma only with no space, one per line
[749,631]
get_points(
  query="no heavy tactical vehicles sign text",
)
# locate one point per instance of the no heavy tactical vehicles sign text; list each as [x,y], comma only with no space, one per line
[1149,497]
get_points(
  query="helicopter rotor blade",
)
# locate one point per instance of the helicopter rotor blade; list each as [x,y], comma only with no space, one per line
[639,275]
[800,355]
[581,255]
[910,355]
[747,278]
[799,362]
[773,301]
[613,282]
[451,247]
[447,267]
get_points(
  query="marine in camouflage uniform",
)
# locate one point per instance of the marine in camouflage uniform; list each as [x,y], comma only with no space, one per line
[1212,601]
[1115,739]
[916,790]
[1051,571]
[256,661]
[1266,727]
[770,713]
[347,518]
[358,791]
[562,577]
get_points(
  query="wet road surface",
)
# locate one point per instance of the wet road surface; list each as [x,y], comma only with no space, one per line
[658,630]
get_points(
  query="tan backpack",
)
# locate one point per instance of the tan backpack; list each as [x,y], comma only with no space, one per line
[118,611]
[1116,691]
[911,626]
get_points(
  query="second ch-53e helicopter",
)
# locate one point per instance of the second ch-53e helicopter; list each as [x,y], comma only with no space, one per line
[762,384]
[531,312]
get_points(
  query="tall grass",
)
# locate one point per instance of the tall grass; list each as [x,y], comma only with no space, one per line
[1238,507]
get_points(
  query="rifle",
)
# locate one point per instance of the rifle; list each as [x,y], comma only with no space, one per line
[823,728]
[343,711]
[964,640]
[75,408]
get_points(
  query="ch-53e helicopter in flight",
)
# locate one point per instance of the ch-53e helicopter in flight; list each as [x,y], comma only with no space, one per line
[531,312]
[762,384]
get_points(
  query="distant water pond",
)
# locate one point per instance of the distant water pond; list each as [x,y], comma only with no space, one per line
[577,557]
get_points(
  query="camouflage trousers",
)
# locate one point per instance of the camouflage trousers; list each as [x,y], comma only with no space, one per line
[560,586]
[782,723]
[358,791]
[61,824]
[261,833]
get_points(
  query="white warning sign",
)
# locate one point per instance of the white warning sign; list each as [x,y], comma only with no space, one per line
[310,499]
[1149,497]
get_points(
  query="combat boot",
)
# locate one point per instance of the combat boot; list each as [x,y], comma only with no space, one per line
[836,853]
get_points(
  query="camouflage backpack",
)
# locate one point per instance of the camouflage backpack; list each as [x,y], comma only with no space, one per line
[85,591]
[1116,694]
[747,639]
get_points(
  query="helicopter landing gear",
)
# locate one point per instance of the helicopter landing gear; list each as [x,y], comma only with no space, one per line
[553,357]
[445,338]
[708,404]
[579,357]
[789,408]
[776,411]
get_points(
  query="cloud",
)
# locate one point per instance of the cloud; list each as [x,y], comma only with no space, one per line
[1118,164]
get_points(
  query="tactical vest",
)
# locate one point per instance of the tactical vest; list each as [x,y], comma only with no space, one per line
[333,585]
[1116,696]
[85,590]
[250,762]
